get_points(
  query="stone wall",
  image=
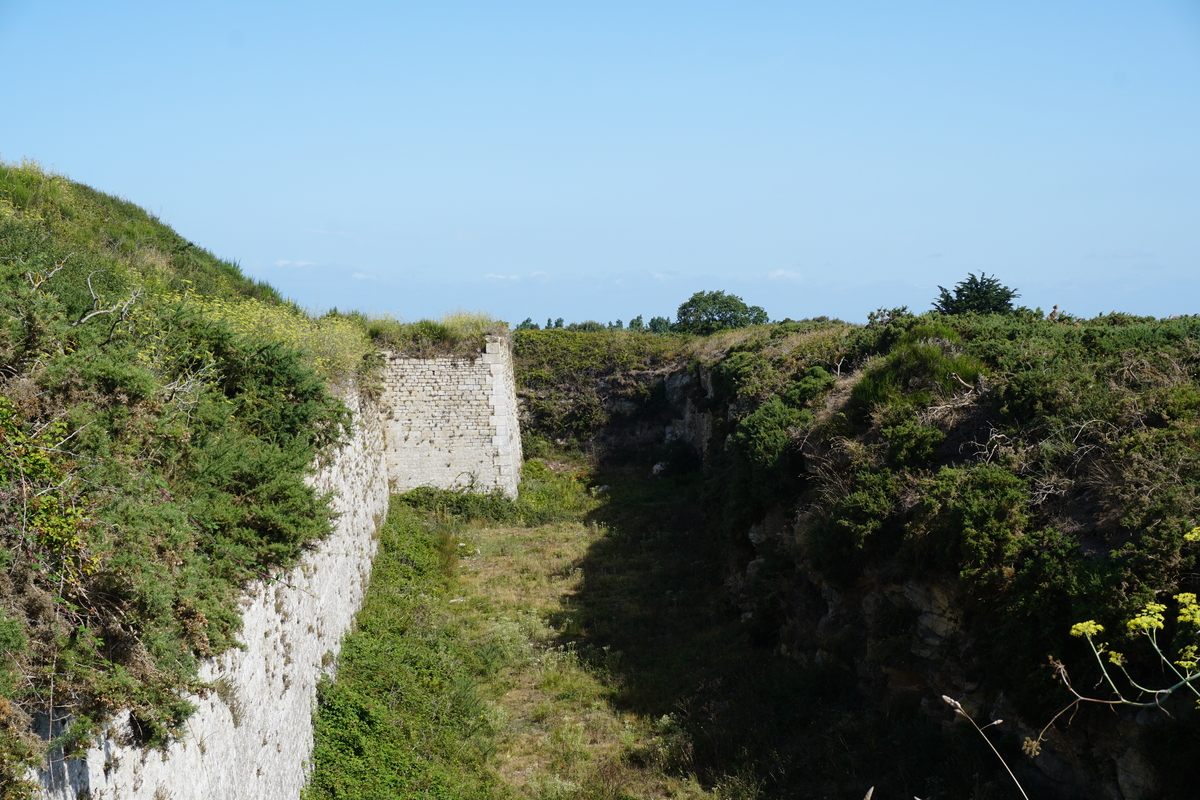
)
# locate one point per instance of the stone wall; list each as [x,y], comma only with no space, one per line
[441,422]
[252,737]
[452,421]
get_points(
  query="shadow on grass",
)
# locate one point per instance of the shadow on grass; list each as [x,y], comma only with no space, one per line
[652,612]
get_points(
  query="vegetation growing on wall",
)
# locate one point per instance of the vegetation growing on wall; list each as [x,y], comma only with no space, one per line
[157,419]
[461,333]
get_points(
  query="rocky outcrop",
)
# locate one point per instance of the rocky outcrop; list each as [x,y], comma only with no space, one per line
[902,636]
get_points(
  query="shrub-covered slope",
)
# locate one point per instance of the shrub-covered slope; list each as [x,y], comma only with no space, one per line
[158,415]
[930,503]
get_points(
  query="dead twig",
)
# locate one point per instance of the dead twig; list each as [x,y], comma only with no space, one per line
[37,279]
[96,310]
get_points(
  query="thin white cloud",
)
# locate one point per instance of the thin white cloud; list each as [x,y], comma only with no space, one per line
[539,274]
[325,233]
[785,274]
[662,276]
[362,276]
[494,276]
[282,263]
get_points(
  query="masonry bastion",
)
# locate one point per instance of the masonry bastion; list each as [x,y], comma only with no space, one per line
[441,422]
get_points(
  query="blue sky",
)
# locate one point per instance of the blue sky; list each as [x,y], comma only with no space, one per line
[600,161]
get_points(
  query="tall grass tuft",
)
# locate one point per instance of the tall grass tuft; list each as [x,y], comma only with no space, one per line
[459,333]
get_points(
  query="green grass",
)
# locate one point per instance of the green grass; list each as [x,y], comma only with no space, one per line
[153,453]
[87,225]
[603,661]
[459,333]
[405,717]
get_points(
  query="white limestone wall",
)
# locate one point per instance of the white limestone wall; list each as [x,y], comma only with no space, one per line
[452,422]
[252,738]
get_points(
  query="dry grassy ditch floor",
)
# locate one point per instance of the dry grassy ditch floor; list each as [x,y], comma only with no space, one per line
[599,659]
[559,732]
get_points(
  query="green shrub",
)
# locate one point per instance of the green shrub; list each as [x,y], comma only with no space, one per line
[926,363]
[970,521]
[762,437]
[745,374]
[446,505]
[333,346]
[12,645]
[814,383]
[849,534]
[763,459]
[910,444]
[544,496]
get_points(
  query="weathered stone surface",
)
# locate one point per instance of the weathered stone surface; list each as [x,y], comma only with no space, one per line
[440,422]
[452,422]
[253,736]
[1136,776]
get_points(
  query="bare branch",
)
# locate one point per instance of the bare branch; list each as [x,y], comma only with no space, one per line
[122,308]
[36,280]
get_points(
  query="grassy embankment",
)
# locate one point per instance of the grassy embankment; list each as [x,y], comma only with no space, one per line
[472,672]
[158,415]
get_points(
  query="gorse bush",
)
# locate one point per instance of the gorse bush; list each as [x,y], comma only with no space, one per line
[158,415]
[970,521]
[334,346]
[47,507]
[910,444]
[763,453]
[815,382]
[852,530]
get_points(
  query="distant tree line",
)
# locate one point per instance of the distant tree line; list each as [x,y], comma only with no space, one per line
[705,313]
